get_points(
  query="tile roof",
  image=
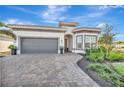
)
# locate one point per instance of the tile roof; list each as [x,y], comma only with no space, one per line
[34,27]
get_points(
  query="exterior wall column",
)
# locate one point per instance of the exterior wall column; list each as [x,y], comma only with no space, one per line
[74,43]
[83,41]
[97,41]
[18,44]
[61,44]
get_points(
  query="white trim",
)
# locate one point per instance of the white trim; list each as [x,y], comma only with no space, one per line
[83,48]
[58,39]
[35,27]
[87,29]
[20,34]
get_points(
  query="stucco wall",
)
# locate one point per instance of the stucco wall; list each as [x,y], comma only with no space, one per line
[43,34]
[4,45]
[70,40]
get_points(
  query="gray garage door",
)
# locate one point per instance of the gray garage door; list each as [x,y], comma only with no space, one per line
[39,45]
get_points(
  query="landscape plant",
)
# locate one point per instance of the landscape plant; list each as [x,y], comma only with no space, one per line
[106,39]
[6,32]
[12,47]
[101,55]
[106,72]
[104,51]
[95,56]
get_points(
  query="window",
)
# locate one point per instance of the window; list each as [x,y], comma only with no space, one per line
[90,41]
[79,42]
[87,42]
[93,42]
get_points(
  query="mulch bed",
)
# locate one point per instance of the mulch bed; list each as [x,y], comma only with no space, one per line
[83,63]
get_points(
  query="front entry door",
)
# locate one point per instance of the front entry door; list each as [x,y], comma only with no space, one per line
[66,46]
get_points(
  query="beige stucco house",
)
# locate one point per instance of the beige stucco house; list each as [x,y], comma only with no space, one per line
[43,39]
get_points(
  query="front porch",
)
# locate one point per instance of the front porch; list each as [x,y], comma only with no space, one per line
[68,39]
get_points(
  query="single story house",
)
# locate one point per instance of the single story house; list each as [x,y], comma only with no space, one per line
[45,39]
[119,44]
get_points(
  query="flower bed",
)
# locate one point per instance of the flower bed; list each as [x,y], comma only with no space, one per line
[104,74]
[100,66]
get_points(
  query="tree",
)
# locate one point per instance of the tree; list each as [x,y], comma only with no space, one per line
[107,38]
[6,31]
[1,24]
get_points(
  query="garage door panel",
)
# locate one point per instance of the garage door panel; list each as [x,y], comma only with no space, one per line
[39,45]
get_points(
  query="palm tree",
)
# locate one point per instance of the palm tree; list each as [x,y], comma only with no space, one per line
[6,31]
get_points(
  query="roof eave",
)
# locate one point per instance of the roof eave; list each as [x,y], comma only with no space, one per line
[88,29]
[35,27]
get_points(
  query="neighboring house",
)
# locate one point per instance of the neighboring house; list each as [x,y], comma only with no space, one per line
[118,44]
[43,39]
[5,41]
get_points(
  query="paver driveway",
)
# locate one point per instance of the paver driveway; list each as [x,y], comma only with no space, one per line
[44,70]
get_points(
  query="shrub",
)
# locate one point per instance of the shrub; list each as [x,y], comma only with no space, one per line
[87,51]
[93,50]
[106,73]
[116,80]
[12,47]
[122,47]
[98,67]
[95,57]
[102,69]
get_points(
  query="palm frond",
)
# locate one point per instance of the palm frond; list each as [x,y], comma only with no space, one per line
[2,24]
[8,33]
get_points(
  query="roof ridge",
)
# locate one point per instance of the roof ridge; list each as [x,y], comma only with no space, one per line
[88,28]
[31,25]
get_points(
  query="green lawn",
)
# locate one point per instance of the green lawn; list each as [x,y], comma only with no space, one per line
[119,68]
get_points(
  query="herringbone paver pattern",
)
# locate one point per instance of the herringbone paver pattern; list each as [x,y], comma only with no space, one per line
[44,70]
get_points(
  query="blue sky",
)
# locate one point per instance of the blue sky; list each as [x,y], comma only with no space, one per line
[86,16]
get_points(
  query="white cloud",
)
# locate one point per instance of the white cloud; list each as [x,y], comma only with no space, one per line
[17,21]
[96,14]
[101,25]
[110,7]
[88,17]
[55,13]
[23,10]
[93,16]
[120,35]
[53,22]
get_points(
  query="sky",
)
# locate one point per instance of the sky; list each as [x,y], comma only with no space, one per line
[51,15]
